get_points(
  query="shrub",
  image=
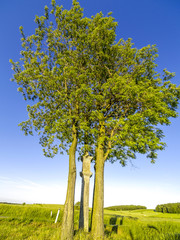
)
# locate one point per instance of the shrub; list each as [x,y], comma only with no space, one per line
[77,206]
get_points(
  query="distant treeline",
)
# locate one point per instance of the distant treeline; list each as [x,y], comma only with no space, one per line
[125,207]
[11,203]
[168,208]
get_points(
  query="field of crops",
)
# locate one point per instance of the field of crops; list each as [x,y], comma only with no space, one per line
[37,222]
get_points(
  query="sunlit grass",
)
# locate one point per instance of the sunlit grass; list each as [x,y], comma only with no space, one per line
[34,222]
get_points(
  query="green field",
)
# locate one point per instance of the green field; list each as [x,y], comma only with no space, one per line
[34,222]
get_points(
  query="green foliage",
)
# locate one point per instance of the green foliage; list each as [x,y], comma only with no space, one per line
[77,206]
[75,73]
[168,208]
[125,207]
[52,74]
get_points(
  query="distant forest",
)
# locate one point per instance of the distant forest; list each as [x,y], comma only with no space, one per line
[125,207]
[168,208]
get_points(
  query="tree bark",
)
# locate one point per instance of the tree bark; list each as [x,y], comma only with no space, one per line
[97,229]
[67,230]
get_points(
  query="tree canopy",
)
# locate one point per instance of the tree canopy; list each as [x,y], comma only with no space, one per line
[88,87]
[129,98]
[74,70]
[52,74]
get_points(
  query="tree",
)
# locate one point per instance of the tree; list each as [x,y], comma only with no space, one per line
[130,100]
[90,91]
[52,75]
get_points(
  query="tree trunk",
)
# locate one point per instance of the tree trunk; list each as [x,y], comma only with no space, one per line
[67,229]
[93,197]
[98,198]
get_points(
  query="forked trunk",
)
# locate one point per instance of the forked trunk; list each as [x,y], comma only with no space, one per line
[67,230]
[97,229]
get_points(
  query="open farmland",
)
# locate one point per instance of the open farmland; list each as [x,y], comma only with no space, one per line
[34,222]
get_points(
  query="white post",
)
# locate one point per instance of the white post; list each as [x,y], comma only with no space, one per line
[57,216]
[84,208]
[51,214]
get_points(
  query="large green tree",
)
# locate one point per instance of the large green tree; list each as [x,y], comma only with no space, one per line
[129,100]
[93,91]
[51,76]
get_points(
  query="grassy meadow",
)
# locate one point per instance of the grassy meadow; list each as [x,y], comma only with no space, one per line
[35,222]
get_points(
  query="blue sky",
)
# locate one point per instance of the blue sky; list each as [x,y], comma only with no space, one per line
[25,174]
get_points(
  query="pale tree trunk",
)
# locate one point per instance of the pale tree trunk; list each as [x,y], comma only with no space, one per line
[67,230]
[97,229]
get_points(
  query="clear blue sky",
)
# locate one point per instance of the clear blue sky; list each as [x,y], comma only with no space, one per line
[25,174]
